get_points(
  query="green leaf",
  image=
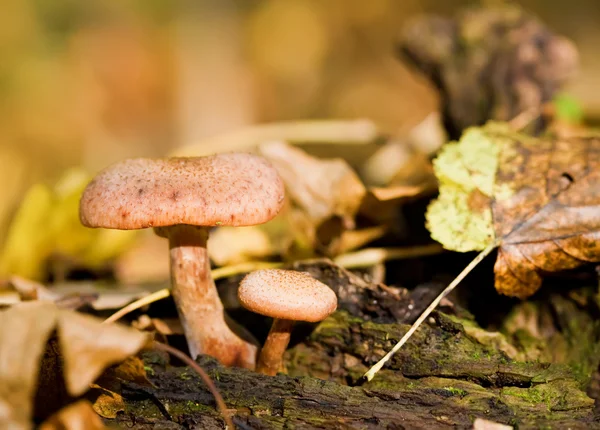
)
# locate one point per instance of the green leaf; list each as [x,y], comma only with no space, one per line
[568,108]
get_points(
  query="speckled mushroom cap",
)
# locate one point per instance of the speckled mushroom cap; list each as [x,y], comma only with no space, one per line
[287,294]
[225,189]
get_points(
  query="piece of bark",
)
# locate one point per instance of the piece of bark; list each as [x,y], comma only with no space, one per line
[489,63]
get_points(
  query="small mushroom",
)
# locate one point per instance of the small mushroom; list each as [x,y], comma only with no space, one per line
[287,296]
[182,198]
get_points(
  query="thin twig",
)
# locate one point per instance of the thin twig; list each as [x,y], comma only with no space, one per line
[358,131]
[151,298]
[209,383]
[377,367]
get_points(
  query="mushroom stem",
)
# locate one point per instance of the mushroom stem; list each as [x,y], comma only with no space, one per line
[207,328]
[271,357]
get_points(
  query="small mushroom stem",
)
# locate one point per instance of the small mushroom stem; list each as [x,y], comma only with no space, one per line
[271,357]
[207,328]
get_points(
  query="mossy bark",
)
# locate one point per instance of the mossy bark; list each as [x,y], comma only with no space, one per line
[442,378]
[449,373]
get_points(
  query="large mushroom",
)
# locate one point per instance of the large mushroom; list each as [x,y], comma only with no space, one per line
[181,198]
[287,296]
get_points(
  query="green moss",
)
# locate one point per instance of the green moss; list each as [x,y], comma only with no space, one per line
[558,395]
[185,375]
[143,408]
[335,326]
[189,407]
[530,395]
[456,391]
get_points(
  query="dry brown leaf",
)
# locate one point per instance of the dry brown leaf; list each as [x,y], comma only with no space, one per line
[105,403]
[77,416]
[24,331]
[87,347]
[552,221]
[328,193]
[322,188]
[105,393]
[131,370]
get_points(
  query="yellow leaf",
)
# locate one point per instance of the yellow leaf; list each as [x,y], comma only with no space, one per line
[460,219]
[28,244]
[69,237]
[47,223]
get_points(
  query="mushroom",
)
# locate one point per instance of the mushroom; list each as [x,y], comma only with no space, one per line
[287,296]
[181,198]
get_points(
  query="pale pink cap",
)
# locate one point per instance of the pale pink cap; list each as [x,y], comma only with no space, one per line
[225,189]
[287,294]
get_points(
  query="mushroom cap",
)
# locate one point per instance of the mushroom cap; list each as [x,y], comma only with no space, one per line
[225,189]
[287,294]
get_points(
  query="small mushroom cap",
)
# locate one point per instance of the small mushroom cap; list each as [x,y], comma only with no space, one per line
[225,189]
[287,294]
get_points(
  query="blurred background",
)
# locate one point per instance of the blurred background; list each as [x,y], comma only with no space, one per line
[86,83]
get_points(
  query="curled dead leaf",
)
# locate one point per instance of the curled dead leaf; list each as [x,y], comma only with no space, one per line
[85,348]
[105,403]
[322,188]
[551,221]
